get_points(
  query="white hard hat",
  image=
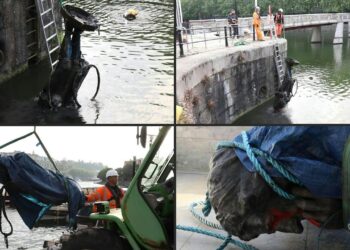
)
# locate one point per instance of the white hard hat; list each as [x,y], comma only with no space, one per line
[111,172]
[281,10]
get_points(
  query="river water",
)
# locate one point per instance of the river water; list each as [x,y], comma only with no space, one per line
[323,75]
[136,61]
[24,238]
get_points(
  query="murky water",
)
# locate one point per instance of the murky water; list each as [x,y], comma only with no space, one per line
[136,61]
[24,238]
[324,82]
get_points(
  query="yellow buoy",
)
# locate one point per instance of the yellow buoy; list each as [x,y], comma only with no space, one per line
[131,14]
[179,111]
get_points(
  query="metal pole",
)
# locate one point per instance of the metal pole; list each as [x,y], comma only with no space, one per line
[134,167]
[179,36]
[226,41]
[253,33]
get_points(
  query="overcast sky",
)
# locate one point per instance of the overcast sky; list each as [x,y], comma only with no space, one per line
[109,145]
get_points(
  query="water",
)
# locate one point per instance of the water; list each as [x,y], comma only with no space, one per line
[24,238]
[136,61]
[324,83]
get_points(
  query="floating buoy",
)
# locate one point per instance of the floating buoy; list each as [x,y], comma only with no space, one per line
[130,14]
[179,112]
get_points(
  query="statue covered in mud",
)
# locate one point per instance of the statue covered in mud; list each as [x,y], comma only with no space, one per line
[71,70]
[285,92]
[250,200]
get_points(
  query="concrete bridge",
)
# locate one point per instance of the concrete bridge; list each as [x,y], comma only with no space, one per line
[291,22]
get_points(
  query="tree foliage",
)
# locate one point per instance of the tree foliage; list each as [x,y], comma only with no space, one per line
[206,9]
[74,169]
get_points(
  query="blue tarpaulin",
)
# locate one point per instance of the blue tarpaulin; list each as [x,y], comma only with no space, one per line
[312,153]
[34,189]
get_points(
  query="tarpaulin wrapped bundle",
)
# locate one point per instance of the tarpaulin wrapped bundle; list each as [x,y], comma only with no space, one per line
[246,206]
[34,189]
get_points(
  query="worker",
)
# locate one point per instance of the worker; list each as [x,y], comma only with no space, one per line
[233,22]
[109,192]
[279,22]
[257,24]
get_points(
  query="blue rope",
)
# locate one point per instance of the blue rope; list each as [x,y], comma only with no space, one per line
[226,242]
[252,153]
[218,236]
[207,205]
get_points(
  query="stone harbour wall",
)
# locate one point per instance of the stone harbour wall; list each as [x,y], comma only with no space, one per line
[219,86]
[21,36]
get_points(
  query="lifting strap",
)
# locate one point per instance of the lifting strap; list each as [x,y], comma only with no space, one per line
[3,212]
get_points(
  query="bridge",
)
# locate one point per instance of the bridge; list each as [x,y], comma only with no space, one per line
[291,22]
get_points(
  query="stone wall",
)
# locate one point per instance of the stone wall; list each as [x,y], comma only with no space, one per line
[219,86]
[196,144]
[14,38]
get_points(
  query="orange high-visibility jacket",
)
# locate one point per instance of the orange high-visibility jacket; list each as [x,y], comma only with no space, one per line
[256,20]
[103,194]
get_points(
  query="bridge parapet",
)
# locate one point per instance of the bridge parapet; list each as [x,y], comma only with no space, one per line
[291,21]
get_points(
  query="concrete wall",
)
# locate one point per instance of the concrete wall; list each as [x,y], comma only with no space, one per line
[219,86]
[14,40]
[196,144]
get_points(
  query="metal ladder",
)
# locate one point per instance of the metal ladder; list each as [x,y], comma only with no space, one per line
[278,57]
[31,31]
[48,25]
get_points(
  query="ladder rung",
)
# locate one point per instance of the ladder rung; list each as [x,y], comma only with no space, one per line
[54,63]
[54,49]
[31,19]
[30,7]
[49,24]
[51,37]
[30,45]
[31,32]
[32,56]
[46,11]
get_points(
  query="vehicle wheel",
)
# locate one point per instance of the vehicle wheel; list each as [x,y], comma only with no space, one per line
[94,239]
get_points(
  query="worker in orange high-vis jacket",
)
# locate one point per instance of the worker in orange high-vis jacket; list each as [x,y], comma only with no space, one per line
[257,24]
[109,192]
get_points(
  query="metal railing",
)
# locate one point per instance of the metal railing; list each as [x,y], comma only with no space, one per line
[190,37]
[290,20]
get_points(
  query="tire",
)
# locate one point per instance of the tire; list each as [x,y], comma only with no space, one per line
[94,239]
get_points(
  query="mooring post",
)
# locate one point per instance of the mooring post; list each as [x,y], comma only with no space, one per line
[338,37]
[179,37]
[226,40]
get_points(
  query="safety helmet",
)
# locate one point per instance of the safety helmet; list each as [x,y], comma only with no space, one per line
[280,10]
[111,172]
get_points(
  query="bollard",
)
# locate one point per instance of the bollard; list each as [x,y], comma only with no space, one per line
[179,37]
[226,41]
